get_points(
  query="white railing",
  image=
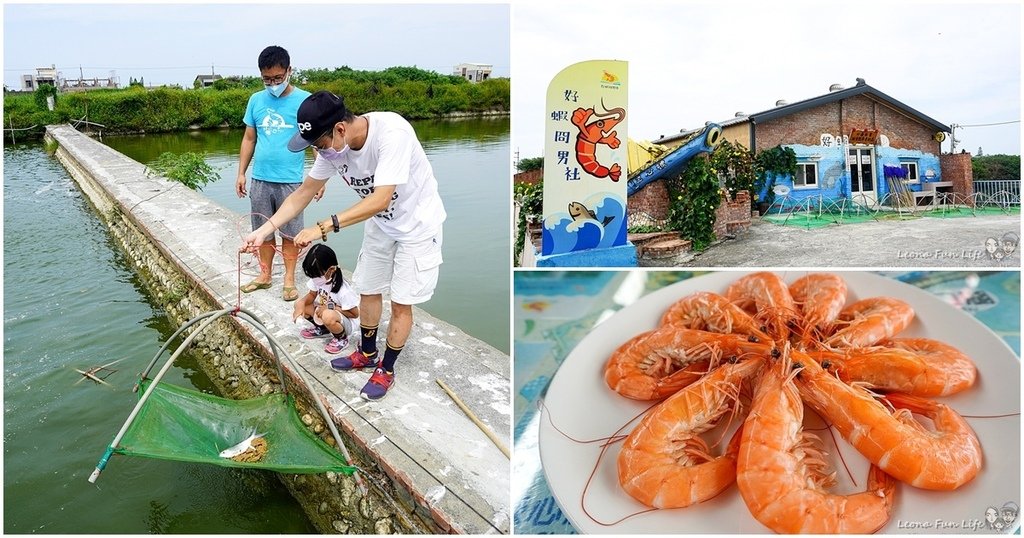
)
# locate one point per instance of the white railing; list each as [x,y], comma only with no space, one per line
[1000,191]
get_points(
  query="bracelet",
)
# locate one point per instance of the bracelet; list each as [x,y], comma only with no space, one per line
[337,225]
[323,232]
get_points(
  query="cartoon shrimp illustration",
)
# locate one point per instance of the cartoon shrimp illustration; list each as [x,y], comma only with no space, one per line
[597,131]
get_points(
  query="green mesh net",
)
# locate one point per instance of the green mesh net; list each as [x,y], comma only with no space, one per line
[184,425]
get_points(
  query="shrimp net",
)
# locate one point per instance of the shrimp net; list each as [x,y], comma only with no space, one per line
[819,211]
[180,424]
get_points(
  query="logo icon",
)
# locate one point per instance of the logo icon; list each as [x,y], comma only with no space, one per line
[1003,247]
[1000,519]
[273,122]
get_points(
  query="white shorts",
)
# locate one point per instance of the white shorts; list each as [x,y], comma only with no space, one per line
[350,325]
[408,271]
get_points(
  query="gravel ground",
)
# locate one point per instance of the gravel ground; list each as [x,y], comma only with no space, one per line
[917,242]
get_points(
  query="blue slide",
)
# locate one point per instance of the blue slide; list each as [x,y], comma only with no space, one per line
[673,162]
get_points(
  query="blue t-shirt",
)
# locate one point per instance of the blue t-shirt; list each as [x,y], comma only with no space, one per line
[275,123]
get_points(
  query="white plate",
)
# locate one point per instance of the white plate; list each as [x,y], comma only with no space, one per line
[582,406]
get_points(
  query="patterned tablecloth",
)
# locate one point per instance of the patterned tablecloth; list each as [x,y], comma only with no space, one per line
[553,311]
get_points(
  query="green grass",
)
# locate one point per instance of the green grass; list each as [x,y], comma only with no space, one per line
[803,219]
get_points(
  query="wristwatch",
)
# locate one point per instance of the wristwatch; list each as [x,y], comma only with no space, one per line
[337,225]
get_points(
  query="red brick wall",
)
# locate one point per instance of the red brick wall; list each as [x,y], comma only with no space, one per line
[651,199]
[956,167]
[732,217]
[532,177]
[905,133]
[857,112]
[801,128]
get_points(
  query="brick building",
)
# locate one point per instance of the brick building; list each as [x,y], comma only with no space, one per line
[856,143]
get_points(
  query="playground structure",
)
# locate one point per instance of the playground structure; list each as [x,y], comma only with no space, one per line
[816,211]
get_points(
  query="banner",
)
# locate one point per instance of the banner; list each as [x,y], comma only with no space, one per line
[585,158]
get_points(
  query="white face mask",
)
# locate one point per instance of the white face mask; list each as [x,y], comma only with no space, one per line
[277,89]
[319,281]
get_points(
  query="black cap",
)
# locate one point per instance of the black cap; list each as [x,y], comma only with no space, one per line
[317,115]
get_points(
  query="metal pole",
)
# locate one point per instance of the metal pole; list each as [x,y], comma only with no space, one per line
[149,391]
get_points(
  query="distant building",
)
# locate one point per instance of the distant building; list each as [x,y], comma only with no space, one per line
[473,72]
[44,75]
[82,84]
[205,81]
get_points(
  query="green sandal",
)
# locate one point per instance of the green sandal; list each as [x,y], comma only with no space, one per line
[253,286]
[290,293]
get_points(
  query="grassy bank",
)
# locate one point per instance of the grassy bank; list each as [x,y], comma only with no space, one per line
[414,93]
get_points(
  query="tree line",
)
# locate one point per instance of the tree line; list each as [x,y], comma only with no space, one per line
[414,93]
[996,167]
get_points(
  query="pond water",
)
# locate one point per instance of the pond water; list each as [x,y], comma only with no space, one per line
[71,302]
[470,159]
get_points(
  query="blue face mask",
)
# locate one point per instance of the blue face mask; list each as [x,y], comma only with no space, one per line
[277,89]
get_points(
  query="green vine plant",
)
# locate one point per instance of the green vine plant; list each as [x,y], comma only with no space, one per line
[530,199]
[189,169]
[770,164]
[735,164]
[694,198]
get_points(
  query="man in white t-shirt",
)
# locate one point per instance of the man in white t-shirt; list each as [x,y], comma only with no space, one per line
[378,155]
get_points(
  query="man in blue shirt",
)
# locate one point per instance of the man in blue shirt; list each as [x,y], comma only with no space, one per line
[276,172]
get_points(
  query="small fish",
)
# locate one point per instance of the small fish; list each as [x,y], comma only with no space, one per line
[246,444]
[580,212]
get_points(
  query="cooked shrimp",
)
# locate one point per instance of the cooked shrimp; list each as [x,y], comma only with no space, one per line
[781,474]
[664,463]
[711,312]
[657,363]
[918,366]
[871,321]
[819,298]
[943,459]
[767,296]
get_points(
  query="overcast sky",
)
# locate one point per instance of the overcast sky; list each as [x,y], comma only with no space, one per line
[171,44]
[689,64]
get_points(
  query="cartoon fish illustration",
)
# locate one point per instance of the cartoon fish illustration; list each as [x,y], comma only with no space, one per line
[241,447]
[580,212]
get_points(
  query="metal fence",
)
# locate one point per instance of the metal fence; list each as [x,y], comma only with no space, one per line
[1003,192]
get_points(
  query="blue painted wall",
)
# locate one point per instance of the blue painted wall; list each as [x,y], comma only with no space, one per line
[893,157]
[834,176]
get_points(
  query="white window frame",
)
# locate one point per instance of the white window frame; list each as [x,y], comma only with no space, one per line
[917,172]
[805,186]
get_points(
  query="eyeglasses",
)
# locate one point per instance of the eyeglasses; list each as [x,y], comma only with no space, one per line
[275,80]
[315,145]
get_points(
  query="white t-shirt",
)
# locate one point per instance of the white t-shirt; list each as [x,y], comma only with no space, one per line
[391,155]
[345,299]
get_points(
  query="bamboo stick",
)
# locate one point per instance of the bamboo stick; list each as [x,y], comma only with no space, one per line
[494,438]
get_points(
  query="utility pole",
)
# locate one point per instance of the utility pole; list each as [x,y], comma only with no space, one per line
[952,137]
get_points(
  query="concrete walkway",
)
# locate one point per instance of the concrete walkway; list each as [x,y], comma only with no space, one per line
[917,242]
[418,435]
